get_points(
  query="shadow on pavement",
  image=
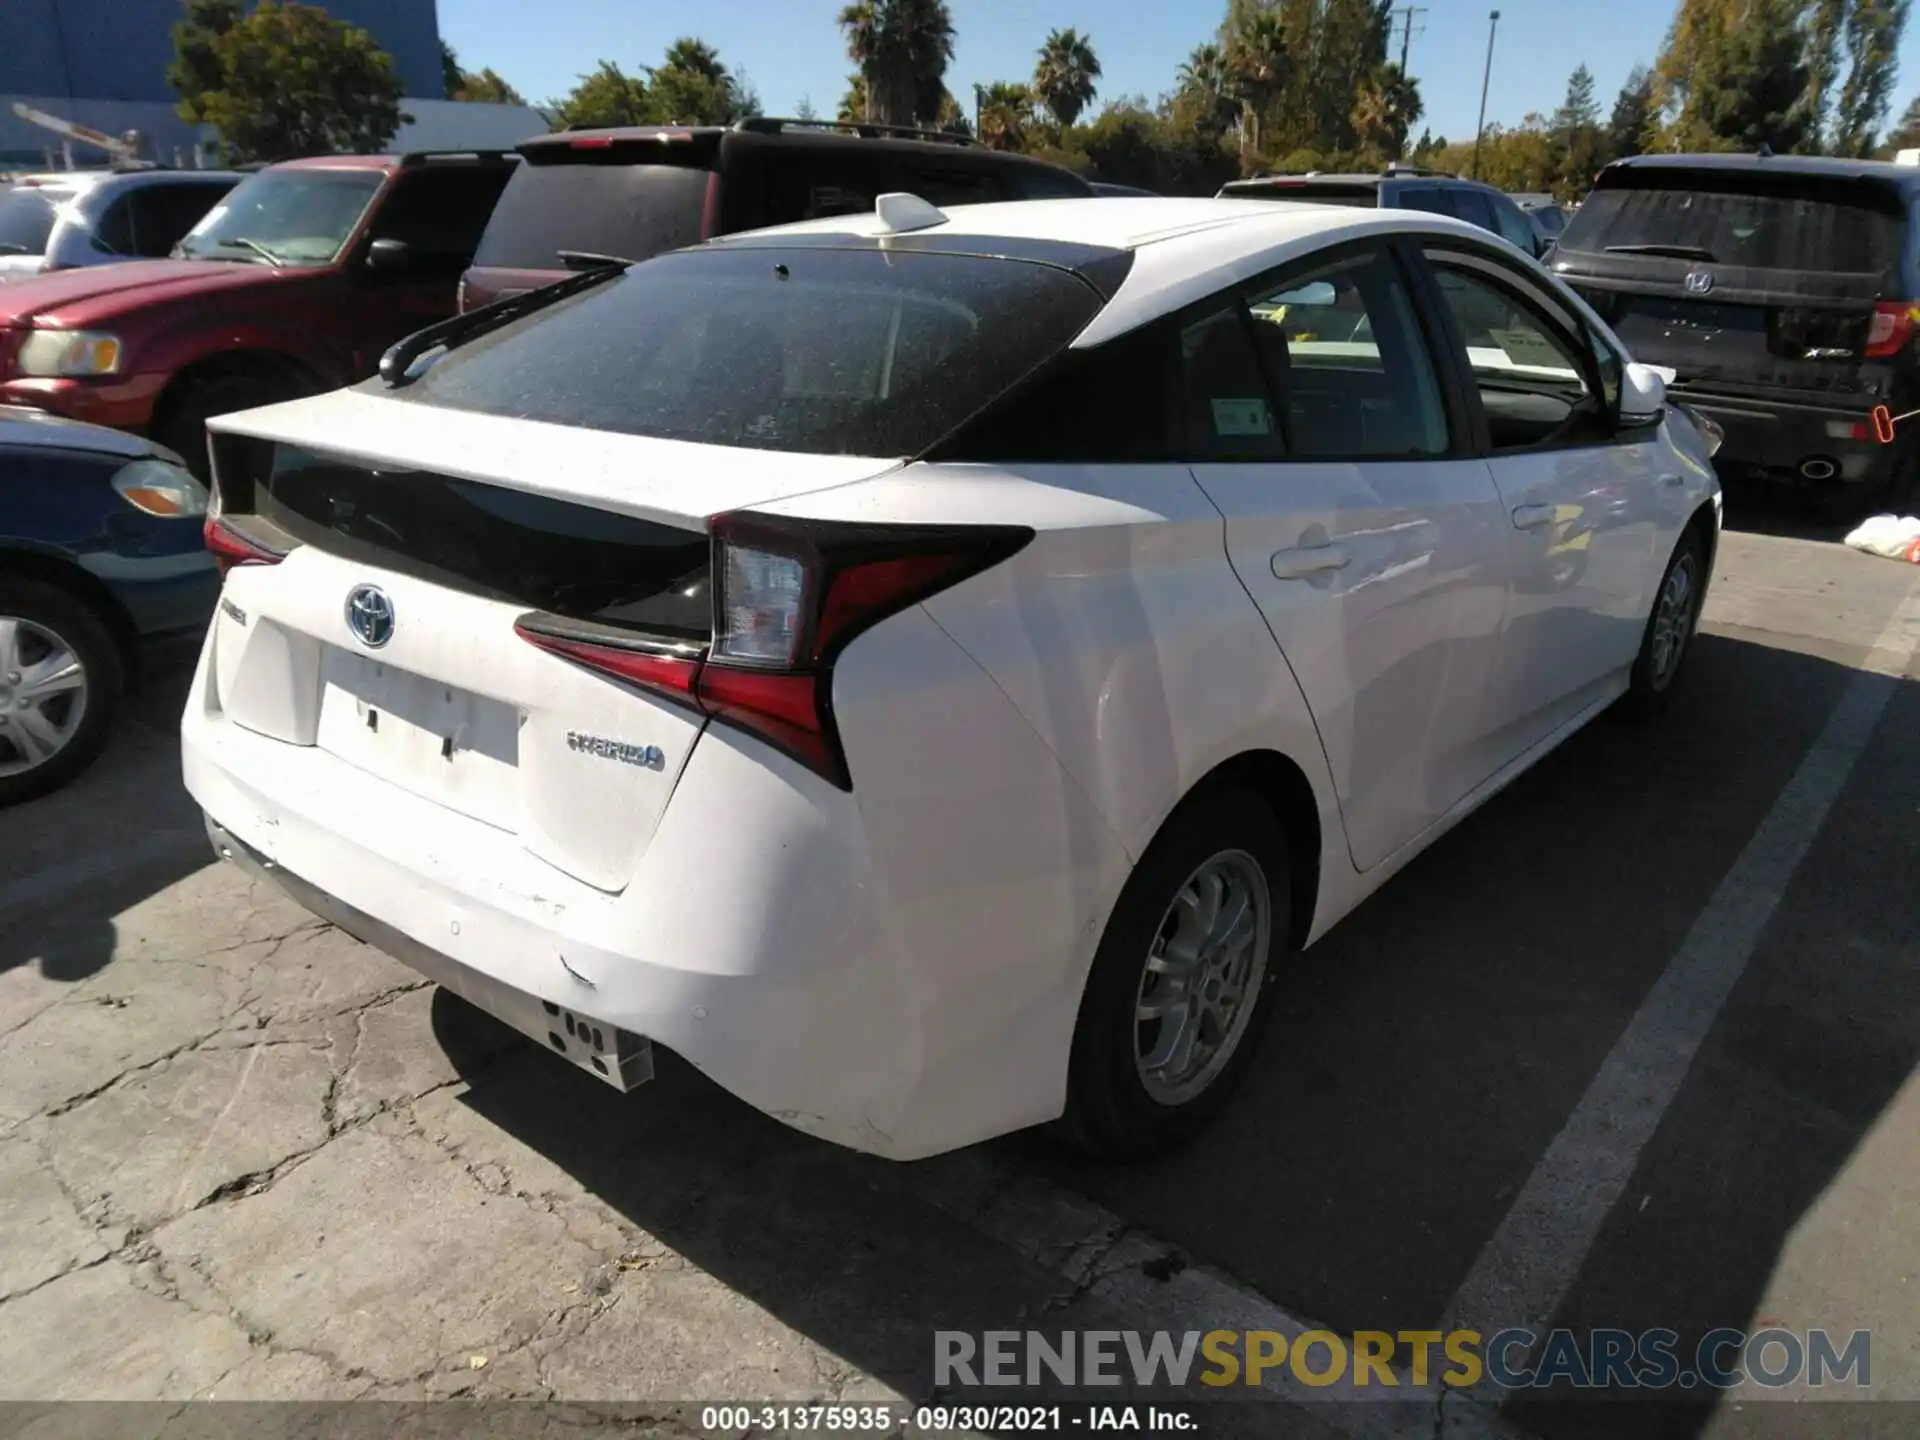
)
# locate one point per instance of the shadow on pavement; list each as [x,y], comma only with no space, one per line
[122,831]
[1421,1059]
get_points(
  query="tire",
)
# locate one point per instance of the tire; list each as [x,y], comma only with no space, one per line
[1670,628]
[1120,1105]
[183,428]
[46,621]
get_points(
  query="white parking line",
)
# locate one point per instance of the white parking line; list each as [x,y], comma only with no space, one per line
[57,879]
[1526,1269]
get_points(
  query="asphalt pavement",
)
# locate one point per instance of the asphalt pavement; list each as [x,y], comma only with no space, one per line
[1634,1047]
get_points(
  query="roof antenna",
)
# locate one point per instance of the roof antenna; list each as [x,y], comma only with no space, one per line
[899,211]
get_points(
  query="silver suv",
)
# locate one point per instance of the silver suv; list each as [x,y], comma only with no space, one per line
[61,220]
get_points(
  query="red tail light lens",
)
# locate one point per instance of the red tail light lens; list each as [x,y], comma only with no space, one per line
[230,548]
[790,596]
[1892,327]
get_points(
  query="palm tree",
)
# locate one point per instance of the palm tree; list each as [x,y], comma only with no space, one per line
[1207,85]
[1257,59]
[1006,108]
[903,48]
[1063,78]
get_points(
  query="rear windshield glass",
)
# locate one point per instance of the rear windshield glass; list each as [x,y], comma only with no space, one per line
[26,219]
[633,211]
[829,351]
[1768,222]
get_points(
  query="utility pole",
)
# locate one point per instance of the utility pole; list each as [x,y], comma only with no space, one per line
[1407,14]
[1493,24]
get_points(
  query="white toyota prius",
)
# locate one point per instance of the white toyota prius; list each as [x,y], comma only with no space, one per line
[932,670]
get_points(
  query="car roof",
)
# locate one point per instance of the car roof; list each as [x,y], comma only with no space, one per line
[855,137]
[1183,249]
[1906,177]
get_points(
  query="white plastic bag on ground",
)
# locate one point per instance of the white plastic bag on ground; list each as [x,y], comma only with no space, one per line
[1895,536]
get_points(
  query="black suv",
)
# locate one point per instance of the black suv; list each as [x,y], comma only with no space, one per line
[1780,290]
[1401,187]
[585,196]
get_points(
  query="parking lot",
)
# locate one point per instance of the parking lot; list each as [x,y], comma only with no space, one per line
[1634,1047]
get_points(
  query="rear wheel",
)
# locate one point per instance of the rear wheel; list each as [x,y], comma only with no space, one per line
[1181,983]
[60,681]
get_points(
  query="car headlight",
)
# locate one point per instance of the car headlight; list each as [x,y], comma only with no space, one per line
[69,353]
[162,489]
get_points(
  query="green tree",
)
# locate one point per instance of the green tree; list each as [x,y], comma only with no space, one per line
[487,88]
[1388,105]
[692,87]
[1204,94]
[452,77]
[853,104]
[1872,31]
[1632,118]
[607,96]
[1905,135]
[902,49]
[289,80]
[1063,78]
[1258,61]
[1749,90]
[804,110]
[950,117]
[195,70]
[1006,115]
[1576,137]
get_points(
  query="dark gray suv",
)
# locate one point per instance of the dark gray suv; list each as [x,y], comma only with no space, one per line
[1401,187]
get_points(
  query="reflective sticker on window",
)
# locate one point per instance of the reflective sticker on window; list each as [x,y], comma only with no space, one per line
[1241,417]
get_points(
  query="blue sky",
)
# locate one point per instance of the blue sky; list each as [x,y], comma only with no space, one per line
[791,48]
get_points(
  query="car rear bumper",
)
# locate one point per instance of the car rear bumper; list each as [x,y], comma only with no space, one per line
[766,939]
[1792,440]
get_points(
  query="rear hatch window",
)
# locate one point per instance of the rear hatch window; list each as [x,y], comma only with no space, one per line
[26,218]
[1738,276]
[810,348]
[598,199]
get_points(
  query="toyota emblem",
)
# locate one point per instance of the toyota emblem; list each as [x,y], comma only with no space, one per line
[370,615]
[1698,282]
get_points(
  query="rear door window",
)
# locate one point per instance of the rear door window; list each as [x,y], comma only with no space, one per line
[1778,221]
[821,350]
[1350,364]
[802,184]
[633,211]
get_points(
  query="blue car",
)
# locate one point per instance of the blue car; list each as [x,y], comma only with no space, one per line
[102,564]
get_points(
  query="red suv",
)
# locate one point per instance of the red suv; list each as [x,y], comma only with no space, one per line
[295,283]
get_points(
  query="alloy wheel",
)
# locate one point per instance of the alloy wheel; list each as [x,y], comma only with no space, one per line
[1201,979]
[1672,622]
[43,694]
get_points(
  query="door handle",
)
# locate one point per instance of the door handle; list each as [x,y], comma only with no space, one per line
[1305,560]
[1673,480]
[1532,517]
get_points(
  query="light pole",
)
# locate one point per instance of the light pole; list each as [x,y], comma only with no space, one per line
[1493,24]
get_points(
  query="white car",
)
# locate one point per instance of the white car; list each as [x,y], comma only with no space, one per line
[931,671]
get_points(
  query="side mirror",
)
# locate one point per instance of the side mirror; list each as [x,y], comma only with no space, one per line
[388,255]
[1643,393]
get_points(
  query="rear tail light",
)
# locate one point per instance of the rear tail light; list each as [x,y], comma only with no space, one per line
[230,548]
[791,595]
[1891,329]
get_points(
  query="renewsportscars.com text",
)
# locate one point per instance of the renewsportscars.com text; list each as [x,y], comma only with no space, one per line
[1513,1359]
